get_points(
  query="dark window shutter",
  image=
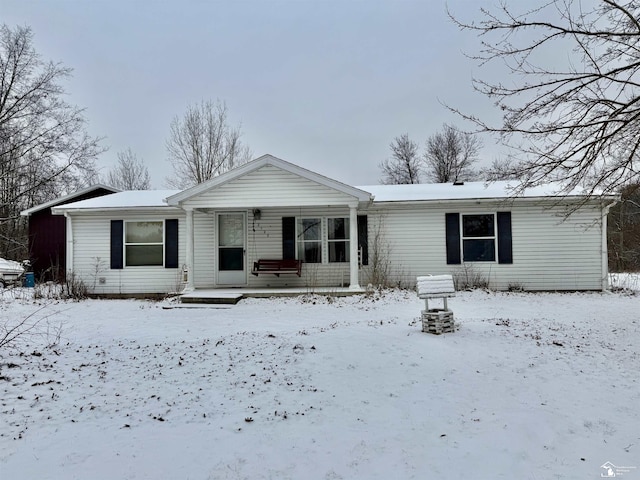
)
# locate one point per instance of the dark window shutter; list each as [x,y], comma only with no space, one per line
[363,238]
[171,243]
[452,223]
[288,238]
[117,238]
[505,250]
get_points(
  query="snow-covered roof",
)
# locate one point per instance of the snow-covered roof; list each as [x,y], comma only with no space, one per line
[67,198]
[381,193]
[121,200]
[466,191]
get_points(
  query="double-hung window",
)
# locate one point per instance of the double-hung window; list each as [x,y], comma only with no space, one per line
[143,243]
[309,232]
[479,238]
[338,239]
[325,239]
[309,239]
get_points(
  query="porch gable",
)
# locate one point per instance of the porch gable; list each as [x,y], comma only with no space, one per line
[268,182]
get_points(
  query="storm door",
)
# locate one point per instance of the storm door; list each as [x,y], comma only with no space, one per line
[231,249]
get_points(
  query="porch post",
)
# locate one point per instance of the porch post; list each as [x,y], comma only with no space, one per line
[189,249]
[353,248]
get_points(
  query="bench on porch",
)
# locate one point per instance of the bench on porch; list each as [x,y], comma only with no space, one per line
[265,265]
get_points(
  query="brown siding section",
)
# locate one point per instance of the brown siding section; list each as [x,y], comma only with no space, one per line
[47,239]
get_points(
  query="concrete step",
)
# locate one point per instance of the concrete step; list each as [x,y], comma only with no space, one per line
[211,297]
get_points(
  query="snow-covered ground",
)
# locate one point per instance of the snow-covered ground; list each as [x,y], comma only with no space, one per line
[531,386]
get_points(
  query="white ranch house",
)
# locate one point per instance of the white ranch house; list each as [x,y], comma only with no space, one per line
[210,236]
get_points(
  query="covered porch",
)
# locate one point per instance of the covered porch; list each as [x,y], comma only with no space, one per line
[272,210]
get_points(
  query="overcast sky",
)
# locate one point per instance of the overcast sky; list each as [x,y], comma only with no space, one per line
[323,84]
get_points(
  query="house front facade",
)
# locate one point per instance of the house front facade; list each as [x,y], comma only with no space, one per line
[214,234]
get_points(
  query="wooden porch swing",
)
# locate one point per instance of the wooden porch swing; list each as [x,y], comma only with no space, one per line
[277,266]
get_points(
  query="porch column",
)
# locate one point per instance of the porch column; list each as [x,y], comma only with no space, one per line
[353,248]
[189,250]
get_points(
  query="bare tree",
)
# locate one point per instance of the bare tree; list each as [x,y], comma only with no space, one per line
[572,118]
[623,228]
[450,155]
[130,173]
[44,148]
[404,165]
[500,169]
[202,145]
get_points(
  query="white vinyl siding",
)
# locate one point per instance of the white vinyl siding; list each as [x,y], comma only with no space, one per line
[550,252]
[204,250]
[92,250]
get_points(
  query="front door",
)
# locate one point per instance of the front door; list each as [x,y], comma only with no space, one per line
[231,249]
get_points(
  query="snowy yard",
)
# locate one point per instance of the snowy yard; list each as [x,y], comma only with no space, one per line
[531,386]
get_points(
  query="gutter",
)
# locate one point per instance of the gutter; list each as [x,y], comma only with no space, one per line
[109,210]
[451,201]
